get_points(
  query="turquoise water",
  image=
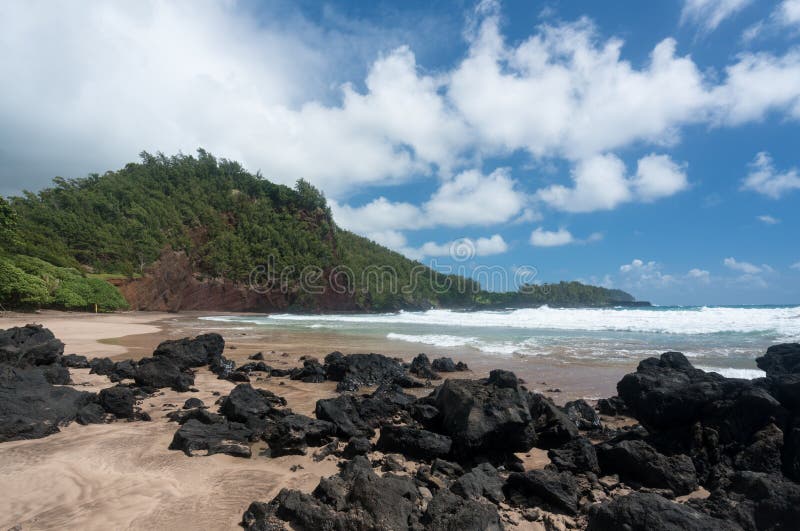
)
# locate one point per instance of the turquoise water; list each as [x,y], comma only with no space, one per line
[724,339]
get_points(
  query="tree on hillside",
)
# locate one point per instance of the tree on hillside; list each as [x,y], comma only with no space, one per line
[8,224]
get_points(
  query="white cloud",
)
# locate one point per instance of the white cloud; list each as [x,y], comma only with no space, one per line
[765,179]
[658,176]
[746,267]
[388,238]
[699,275]
[768,220]
[757,84]
[468,199]
[710,13]
[474,199]
[469,247]
[600,183]
[112,79]
[564,92]
[795,265]
[788,13]
[378,215]
[544,238]
[641,274]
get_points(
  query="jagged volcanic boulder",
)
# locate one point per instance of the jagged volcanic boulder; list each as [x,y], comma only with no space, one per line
[385,402]
[667,394]
[56,374]
[651,512]
[292,434]
[343,412]
[638,462]
[480,417]
[583,415]
[553,427]
[200,414]
[357,446]
[763,454]
[123,370]
[447,511]
[781,360]
[755,501]
[576,456]
[31,407]
[192,403]
[188,353]
[356,498]
[29,346]
[229,438]
[311,372]
[259,366]
[255,408]
[160,372]
[447,365]
[75,361]
[482,481]
[359,370]
[421,366]
[612,406]
[118,401]
[413,442]
[101,366]
[555,489]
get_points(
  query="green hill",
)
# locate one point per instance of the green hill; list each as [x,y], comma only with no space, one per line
[190,232]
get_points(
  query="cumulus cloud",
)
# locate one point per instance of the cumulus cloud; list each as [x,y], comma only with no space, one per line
[462,248]
[746,267]
[768,220]
[600,183]
[658,176]
[708,14]
[757,84]
[765,179]
[700,275]
[641,274]
[111,79]
[545,238]
[788,13]
[470,198]
[564,91]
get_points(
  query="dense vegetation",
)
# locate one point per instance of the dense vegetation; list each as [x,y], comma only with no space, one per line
[227,221]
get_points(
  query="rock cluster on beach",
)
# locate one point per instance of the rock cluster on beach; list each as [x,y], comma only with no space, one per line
[697,451]
[34,400]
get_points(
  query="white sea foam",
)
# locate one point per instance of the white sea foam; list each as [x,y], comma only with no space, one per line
[784,322]
[436,340]
[728,372]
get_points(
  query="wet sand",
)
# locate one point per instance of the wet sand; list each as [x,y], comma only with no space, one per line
[122,476]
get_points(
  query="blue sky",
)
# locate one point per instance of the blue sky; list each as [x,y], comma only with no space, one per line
[650,146]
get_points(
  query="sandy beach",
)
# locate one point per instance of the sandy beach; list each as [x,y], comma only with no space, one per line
[121,475]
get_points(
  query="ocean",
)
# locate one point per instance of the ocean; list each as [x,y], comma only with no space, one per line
[724,339]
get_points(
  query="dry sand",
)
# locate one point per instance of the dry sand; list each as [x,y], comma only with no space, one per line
[121,475]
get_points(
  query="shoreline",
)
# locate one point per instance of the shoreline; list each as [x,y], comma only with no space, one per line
[134,335]
[130,473]
[121,475]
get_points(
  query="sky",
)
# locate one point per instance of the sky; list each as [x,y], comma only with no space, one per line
[647,146]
